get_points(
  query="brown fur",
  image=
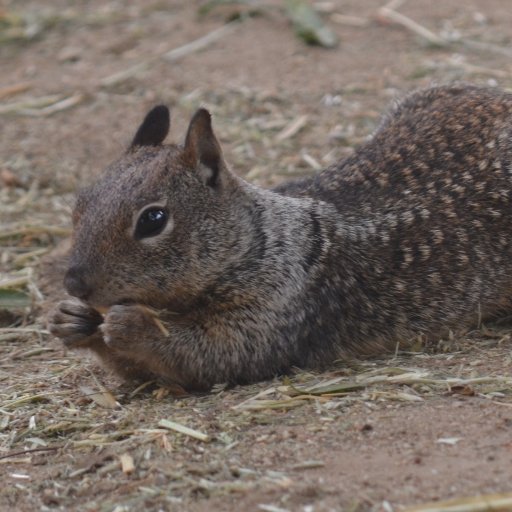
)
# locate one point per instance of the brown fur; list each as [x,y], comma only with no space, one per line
[409,236]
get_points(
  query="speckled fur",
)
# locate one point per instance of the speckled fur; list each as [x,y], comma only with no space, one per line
[409,236]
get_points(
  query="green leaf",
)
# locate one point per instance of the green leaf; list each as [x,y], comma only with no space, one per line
[13,299]
[308,25]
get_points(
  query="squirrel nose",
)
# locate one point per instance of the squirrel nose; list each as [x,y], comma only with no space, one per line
[76,284]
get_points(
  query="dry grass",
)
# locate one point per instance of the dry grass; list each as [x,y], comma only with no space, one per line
[113,447]
[55,405]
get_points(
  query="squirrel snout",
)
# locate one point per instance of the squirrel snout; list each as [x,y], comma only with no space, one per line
[76,283]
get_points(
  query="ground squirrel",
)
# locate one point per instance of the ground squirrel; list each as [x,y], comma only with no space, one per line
[205,278]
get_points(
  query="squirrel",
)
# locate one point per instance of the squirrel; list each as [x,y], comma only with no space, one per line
[204,278]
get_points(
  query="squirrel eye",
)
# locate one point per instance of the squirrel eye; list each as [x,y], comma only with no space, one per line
[151,222]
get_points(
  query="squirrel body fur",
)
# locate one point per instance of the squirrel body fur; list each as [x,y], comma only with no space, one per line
[209,279]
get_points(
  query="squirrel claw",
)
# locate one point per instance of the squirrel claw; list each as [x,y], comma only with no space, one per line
[74,322]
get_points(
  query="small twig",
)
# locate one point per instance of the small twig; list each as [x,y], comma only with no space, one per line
[154,314]
[184,430]
[41,102]
[482,503]
[199,44]
[388,12]
[15,282]
[292,129]
[312,162]
[170,55]
[124,75]
[127,463]
[308,464]
[35,230]
[23,258]
[30,353]
[261,394]
[58,106]
[500,403]
[31,450]
[43,106]
[12,90]
[25,400]
[9,330]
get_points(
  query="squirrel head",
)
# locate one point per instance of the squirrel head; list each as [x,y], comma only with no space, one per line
[160,224]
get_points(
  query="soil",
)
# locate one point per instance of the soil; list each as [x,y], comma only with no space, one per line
[63,436]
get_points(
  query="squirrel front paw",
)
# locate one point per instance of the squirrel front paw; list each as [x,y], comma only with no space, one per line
[75,323]
[129,328]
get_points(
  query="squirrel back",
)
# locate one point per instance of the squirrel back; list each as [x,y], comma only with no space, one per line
[427,202]
[410,236]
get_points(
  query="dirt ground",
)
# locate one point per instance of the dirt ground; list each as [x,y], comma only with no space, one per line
[405,430]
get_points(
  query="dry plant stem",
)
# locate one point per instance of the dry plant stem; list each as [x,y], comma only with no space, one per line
[35,230]
[127,464]
[362,388]
[102,398]
[25,257]
[12,90]
[30,353]
[31,450]
[199,44]
[25,330]
[308,464]
[58,106]
[388,12]
[266,392]
[486,503]
[292,129]
[41,107]
[184,430]
[158,323]
[16,282]
[43,101]
[170,55]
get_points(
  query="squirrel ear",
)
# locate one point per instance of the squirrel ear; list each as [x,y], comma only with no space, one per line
[202,148]
[154,128]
